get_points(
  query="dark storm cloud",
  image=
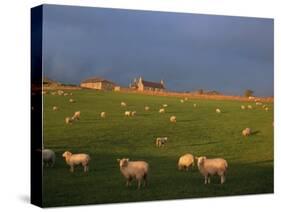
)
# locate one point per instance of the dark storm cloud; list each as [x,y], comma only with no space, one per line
[187,51]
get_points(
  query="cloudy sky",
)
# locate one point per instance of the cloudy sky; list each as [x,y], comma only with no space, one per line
[187,51]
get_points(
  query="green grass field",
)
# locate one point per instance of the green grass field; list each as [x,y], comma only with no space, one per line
[200,131]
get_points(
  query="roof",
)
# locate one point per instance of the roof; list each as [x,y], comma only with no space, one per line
[152,84]
[97,79]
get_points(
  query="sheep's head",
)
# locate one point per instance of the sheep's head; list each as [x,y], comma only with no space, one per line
[66,154]
[123,162]
[165,138]
[200,160]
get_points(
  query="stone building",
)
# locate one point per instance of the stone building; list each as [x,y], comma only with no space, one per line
[143,85]
[98,84]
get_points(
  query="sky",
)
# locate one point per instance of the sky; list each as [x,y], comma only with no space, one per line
[188,51]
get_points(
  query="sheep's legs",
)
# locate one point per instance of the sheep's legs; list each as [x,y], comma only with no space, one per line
[222,179]
[128,182]
[206,179]
[209,179]
[86,168]
[139,184]
[71,168]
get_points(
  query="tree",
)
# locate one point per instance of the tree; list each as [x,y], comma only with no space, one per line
[248,93]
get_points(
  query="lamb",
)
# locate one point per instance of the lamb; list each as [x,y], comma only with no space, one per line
[250,107]
[146,108]
[123,104]
[173,119]
[127,113]
[77,159]
[218,110]
[55,108]
[162,110]
[209,167]
[133,113]
[48,157]
[102,114]
[69,120]
[243,107]
[76,115]
[185,162]
[160,141]
[134,170]
[246,132]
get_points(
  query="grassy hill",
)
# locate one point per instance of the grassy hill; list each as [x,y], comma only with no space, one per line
[200,131]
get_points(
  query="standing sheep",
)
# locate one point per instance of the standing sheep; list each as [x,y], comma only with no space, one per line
[218,110]
[162,110]
[48,157]
[182,101]
[165,105]
[194,105]
[55,108]
[71,100]
[146,108]
[102,114]
[134,170]
[160,141]
[69,120]
[76,115]
[127,113]
[209,167]
[173,119]
[123,104]
[77,159]
[185,162]
[246,132]
[133,113]
[243,107]
[250,107]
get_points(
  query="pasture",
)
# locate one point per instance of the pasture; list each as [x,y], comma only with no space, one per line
[199,131]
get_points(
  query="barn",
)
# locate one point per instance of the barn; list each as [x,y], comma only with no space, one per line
[143,85]
[97,83]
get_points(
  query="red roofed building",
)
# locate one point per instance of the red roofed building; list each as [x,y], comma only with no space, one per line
[143,85]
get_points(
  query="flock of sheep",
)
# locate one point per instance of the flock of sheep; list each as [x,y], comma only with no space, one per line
[138,170]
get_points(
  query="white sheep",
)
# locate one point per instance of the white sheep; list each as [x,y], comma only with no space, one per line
[173,119]
[146,108]
[76,115]
[165,105]
[182,101]
[250,107]
[194,105]
[55,108]
[77,159]
[246,132]
[161,110]
[134,170]
[185,99]
[185,162]
[218,110]
[60,92]
[161,141]
[243,107]
[69,120]
[266,108]
[258,103]
[123,104]
[48,157]
[127,113]
[209,167]
[102,114]
[133,113]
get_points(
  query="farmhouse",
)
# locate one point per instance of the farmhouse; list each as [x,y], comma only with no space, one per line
[143,85]
[98,84]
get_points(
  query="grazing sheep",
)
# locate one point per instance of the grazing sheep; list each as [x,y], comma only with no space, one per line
[69,120]
[76,115]
[71,100]
[48,157]
[185,99]
[134,170]
[55,108]
[243,107]
[160,141]
[209,167]
[185,162]
[102,114]
[165,105]
[77,159]
[162,110]
[266,109]
[218,110]
[250,107]
[133,113]
[65,94]
[258,103]
[123,104]
[246,132]
[182,101]
[146,108]
[173,119]
[127,113]
[194,105]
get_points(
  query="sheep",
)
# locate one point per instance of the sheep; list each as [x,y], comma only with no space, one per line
[160,141]
[133,113]
[134,170]
[69,120]
[60,92]
[165,105]
[55,108]
[173,119]
[209,167]
[251,97]
[258,103]
[77,159]
[76,115]
[65,94]
[71,100]
[185,161]
[161,110]
[123,104]
[264,106]
[102,114]
[243,107]
[146,108]
[182,101]
[127,113]
[246,132]
[194,105]
[53,93]
[266,109]
[185,99]
[48,157]
[218,110]
[250,107]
